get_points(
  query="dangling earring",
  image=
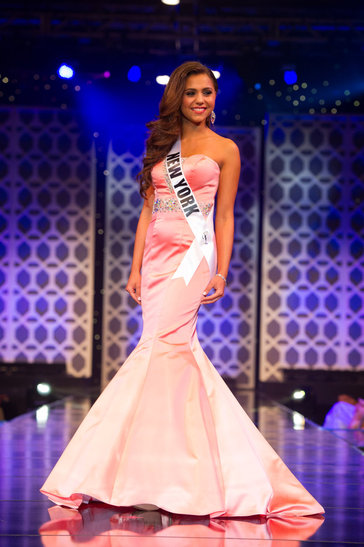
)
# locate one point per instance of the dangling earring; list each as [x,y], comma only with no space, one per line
[212,117]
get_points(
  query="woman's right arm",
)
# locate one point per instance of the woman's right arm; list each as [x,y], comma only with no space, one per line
[134,281]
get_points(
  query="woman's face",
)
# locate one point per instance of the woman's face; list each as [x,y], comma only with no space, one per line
[198,98]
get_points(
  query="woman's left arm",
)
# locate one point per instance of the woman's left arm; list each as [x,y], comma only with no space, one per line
[224,220]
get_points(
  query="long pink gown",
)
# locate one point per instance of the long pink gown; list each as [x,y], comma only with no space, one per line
[167,430]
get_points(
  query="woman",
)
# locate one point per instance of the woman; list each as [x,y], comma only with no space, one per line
[167,432]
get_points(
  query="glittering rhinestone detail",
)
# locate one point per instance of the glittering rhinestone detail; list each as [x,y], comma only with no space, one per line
[205,207]
[171,205]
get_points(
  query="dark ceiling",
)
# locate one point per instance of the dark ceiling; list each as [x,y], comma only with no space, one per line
[232,29]
[251,42]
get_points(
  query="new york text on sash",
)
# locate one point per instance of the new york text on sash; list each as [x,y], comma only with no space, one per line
[202,245]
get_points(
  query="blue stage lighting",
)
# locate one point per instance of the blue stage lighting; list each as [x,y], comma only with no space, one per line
[134,74]
[257,86]
[290,77]
[65,71]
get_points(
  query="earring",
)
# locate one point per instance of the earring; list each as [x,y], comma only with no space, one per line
[212,117]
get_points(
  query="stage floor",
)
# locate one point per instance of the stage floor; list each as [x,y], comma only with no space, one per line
[328,466]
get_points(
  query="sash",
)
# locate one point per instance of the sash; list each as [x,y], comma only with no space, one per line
[202,228]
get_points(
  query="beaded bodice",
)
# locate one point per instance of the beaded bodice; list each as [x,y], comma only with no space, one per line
[202,174]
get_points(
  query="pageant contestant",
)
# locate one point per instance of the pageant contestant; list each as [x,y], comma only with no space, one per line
[167,432]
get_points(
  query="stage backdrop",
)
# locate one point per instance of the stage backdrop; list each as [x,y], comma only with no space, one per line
[226,329]
[311,288]
[46,239]
[313,254]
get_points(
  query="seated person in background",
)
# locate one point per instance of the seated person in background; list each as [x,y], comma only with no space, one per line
[347,413]
[4,400]
[357,421]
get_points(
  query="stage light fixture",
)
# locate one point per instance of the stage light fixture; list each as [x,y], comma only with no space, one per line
[162,79]
[107,74]
[257,86]
[65,71]
[170,2]
[43,389]
[216,73]
[290,77]
[134,74]
[298,394]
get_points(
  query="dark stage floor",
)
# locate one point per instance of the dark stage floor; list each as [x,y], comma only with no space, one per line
[330,468]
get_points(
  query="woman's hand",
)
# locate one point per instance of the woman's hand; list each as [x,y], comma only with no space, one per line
[216,283]
[134,281]
[133,286]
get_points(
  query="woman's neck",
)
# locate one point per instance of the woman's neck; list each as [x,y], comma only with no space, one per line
[192,131]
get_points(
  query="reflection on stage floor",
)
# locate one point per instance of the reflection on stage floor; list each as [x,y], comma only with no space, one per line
[328,466]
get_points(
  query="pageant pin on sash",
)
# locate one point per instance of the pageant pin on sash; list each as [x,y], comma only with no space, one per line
[202,228]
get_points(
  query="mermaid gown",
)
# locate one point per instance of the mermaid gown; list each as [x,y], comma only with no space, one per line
[167,430]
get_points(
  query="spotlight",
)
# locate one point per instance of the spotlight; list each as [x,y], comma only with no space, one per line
[44,389]
[65,71]
[134,74]
[290,77]
[298,394]
[170,2]
[162,79]
[257,86]
[216,73]
[107,74]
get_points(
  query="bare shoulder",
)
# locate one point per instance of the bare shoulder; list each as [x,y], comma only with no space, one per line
[229,173]
[226,150]
[230,148]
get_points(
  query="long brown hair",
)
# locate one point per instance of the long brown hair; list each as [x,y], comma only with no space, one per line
[165,130]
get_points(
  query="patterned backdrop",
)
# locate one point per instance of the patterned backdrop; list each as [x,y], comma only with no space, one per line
[312,257]
[46,239]
[226,329]
[313,253]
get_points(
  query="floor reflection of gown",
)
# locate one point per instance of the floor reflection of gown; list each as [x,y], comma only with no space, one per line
[167,430]
[105,526]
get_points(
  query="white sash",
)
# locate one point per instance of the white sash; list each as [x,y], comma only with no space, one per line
[202,228]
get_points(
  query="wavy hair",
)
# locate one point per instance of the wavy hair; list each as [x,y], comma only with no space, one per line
[165,130]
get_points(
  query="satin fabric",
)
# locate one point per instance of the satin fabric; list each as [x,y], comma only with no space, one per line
[167,430]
